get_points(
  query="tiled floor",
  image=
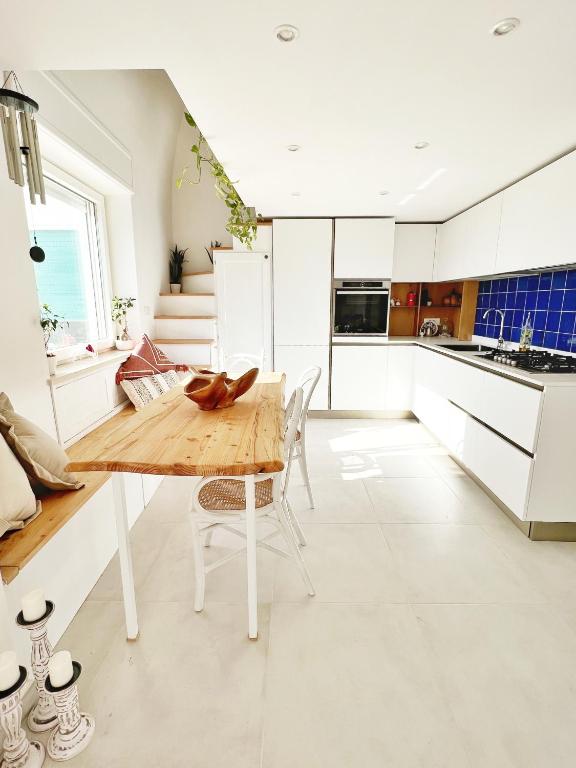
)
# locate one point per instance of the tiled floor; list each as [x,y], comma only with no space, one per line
[440,637]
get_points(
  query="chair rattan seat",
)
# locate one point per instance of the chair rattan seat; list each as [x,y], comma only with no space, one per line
[230,495]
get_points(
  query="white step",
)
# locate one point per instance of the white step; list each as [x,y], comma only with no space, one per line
[187,327]
[198,282]
[193,352]
[187,304]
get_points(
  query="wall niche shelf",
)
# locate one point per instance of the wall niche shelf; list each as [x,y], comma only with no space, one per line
[461,316]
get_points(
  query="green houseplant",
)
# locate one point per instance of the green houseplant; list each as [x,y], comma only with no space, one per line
[120,307]
[241,220]
[50,322]
[176,264]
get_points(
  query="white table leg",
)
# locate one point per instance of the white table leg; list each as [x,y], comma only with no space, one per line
[251,557]
[125,555]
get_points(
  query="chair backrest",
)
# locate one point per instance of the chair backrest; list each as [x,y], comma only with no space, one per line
[308,381]
[240,363]
[292,418]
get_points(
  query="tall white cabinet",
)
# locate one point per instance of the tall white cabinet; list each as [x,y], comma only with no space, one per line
[302,288]
[244,300]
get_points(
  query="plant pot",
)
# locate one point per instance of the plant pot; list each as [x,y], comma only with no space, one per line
[124,344]
[175,287]
[52,362]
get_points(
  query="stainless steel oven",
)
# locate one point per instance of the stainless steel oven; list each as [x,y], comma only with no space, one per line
[360,307]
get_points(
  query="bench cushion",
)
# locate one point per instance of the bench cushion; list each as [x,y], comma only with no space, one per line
[17,501]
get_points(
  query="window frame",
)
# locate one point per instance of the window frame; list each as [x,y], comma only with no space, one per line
[99,239]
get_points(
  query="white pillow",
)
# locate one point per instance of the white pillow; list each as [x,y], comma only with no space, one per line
[17,502]
[147,388]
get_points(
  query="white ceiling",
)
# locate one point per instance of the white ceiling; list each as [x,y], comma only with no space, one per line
[363,82]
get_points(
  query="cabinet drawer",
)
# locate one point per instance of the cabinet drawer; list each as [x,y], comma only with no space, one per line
[502,467]
[80,403]
[513,409]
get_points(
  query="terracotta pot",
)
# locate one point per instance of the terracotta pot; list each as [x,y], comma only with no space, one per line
[175,288]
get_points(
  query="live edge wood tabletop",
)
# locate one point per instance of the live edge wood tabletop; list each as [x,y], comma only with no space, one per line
[171,436]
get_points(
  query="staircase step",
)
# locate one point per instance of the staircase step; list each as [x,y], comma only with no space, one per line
[183,341]
[197,274]
[184,317]
[175,295]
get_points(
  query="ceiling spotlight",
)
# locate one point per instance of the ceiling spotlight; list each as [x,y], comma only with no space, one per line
[286,33]
[295,194]
[383,192]
[505,26]
[421,144]
[293,147]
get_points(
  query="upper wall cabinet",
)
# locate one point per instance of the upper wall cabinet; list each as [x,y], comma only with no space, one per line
[302,285]
[468,242]
[538,222]
[363,248]
[414,246]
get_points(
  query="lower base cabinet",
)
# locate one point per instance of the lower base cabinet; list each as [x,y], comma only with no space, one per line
[294,360]
[359,377]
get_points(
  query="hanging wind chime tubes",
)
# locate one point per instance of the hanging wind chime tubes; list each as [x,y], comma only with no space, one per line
[20,135]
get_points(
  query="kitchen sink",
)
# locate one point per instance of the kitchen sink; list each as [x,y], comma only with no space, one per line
[467,347]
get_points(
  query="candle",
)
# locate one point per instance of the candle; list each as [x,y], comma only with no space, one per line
[9,670]
[60,669]
[33,605]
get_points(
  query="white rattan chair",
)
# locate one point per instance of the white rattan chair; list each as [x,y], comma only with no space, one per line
[236,365]
[220,502]
[308,381]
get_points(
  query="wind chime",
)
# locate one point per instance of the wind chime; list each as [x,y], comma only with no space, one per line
[20,135]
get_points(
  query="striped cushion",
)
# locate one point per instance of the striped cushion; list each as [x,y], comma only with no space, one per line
[147,388]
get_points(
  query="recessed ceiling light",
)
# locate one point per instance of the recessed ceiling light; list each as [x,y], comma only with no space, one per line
[407,198]
[421,144]
[286,33]
[293,147]
[505,26]
[295,194]
[383,192]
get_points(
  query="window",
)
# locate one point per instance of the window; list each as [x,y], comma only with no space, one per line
[72,279]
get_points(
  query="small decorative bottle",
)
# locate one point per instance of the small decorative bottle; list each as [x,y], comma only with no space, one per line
[526,335]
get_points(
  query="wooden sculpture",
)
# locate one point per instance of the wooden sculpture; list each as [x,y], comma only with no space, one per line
[211,390]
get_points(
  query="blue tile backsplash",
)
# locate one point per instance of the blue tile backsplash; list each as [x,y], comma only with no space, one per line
[549,298]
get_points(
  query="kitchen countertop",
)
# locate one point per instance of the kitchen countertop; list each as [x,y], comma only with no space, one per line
[536,379]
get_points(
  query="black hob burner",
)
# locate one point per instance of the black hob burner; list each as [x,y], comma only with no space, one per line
[534,360]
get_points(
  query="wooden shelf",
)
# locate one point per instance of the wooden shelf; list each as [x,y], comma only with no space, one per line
[186,294]
[183,341]
[461,316]
[184,317]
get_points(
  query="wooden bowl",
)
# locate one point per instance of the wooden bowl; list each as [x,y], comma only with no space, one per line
[215,390]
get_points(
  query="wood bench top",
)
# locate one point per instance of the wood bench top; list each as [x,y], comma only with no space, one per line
[18,547]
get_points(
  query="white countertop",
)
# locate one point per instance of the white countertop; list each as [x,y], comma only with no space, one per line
[536,379]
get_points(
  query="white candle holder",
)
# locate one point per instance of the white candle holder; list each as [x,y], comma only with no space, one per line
[18,751]
[75,729]
[42,716]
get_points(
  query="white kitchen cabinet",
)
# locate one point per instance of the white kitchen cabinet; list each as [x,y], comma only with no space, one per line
[399,378]
[359,377]
[538,223]
[244,299]
[80,403]
[293,361]
[414,247]
[363,248]
[302,281]
[467,244]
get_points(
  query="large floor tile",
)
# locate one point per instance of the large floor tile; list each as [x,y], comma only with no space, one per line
[335,501]
[351,686]
[171,501]
[347,564]
[188,692]
[456,564]
[508,674]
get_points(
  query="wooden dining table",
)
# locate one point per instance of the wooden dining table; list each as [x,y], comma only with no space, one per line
[171,436]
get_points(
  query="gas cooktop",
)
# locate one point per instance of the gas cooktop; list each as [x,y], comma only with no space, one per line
[534,360]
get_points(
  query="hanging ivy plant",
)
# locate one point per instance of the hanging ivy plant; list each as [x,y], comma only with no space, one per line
[241,220]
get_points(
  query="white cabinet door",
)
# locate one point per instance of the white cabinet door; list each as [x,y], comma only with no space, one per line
[359,378]
[538,221]
[468,243]
[302,282]
[81,403]
[293,361]
[244,298]
[414,246]
[399,378]
[363,248]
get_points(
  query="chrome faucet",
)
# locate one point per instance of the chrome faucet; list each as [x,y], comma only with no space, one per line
[502,316]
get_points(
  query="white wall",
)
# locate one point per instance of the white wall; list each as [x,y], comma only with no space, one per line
[199,215]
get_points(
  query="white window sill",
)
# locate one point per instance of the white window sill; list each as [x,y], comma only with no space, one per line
[79,368]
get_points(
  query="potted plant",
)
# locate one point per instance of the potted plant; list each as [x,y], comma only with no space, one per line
[176,263]
[120,307]
[50,322]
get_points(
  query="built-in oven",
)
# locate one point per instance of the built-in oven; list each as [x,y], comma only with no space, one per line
[360,307]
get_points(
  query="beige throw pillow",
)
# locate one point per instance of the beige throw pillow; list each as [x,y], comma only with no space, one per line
[40,455]
[18,504]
